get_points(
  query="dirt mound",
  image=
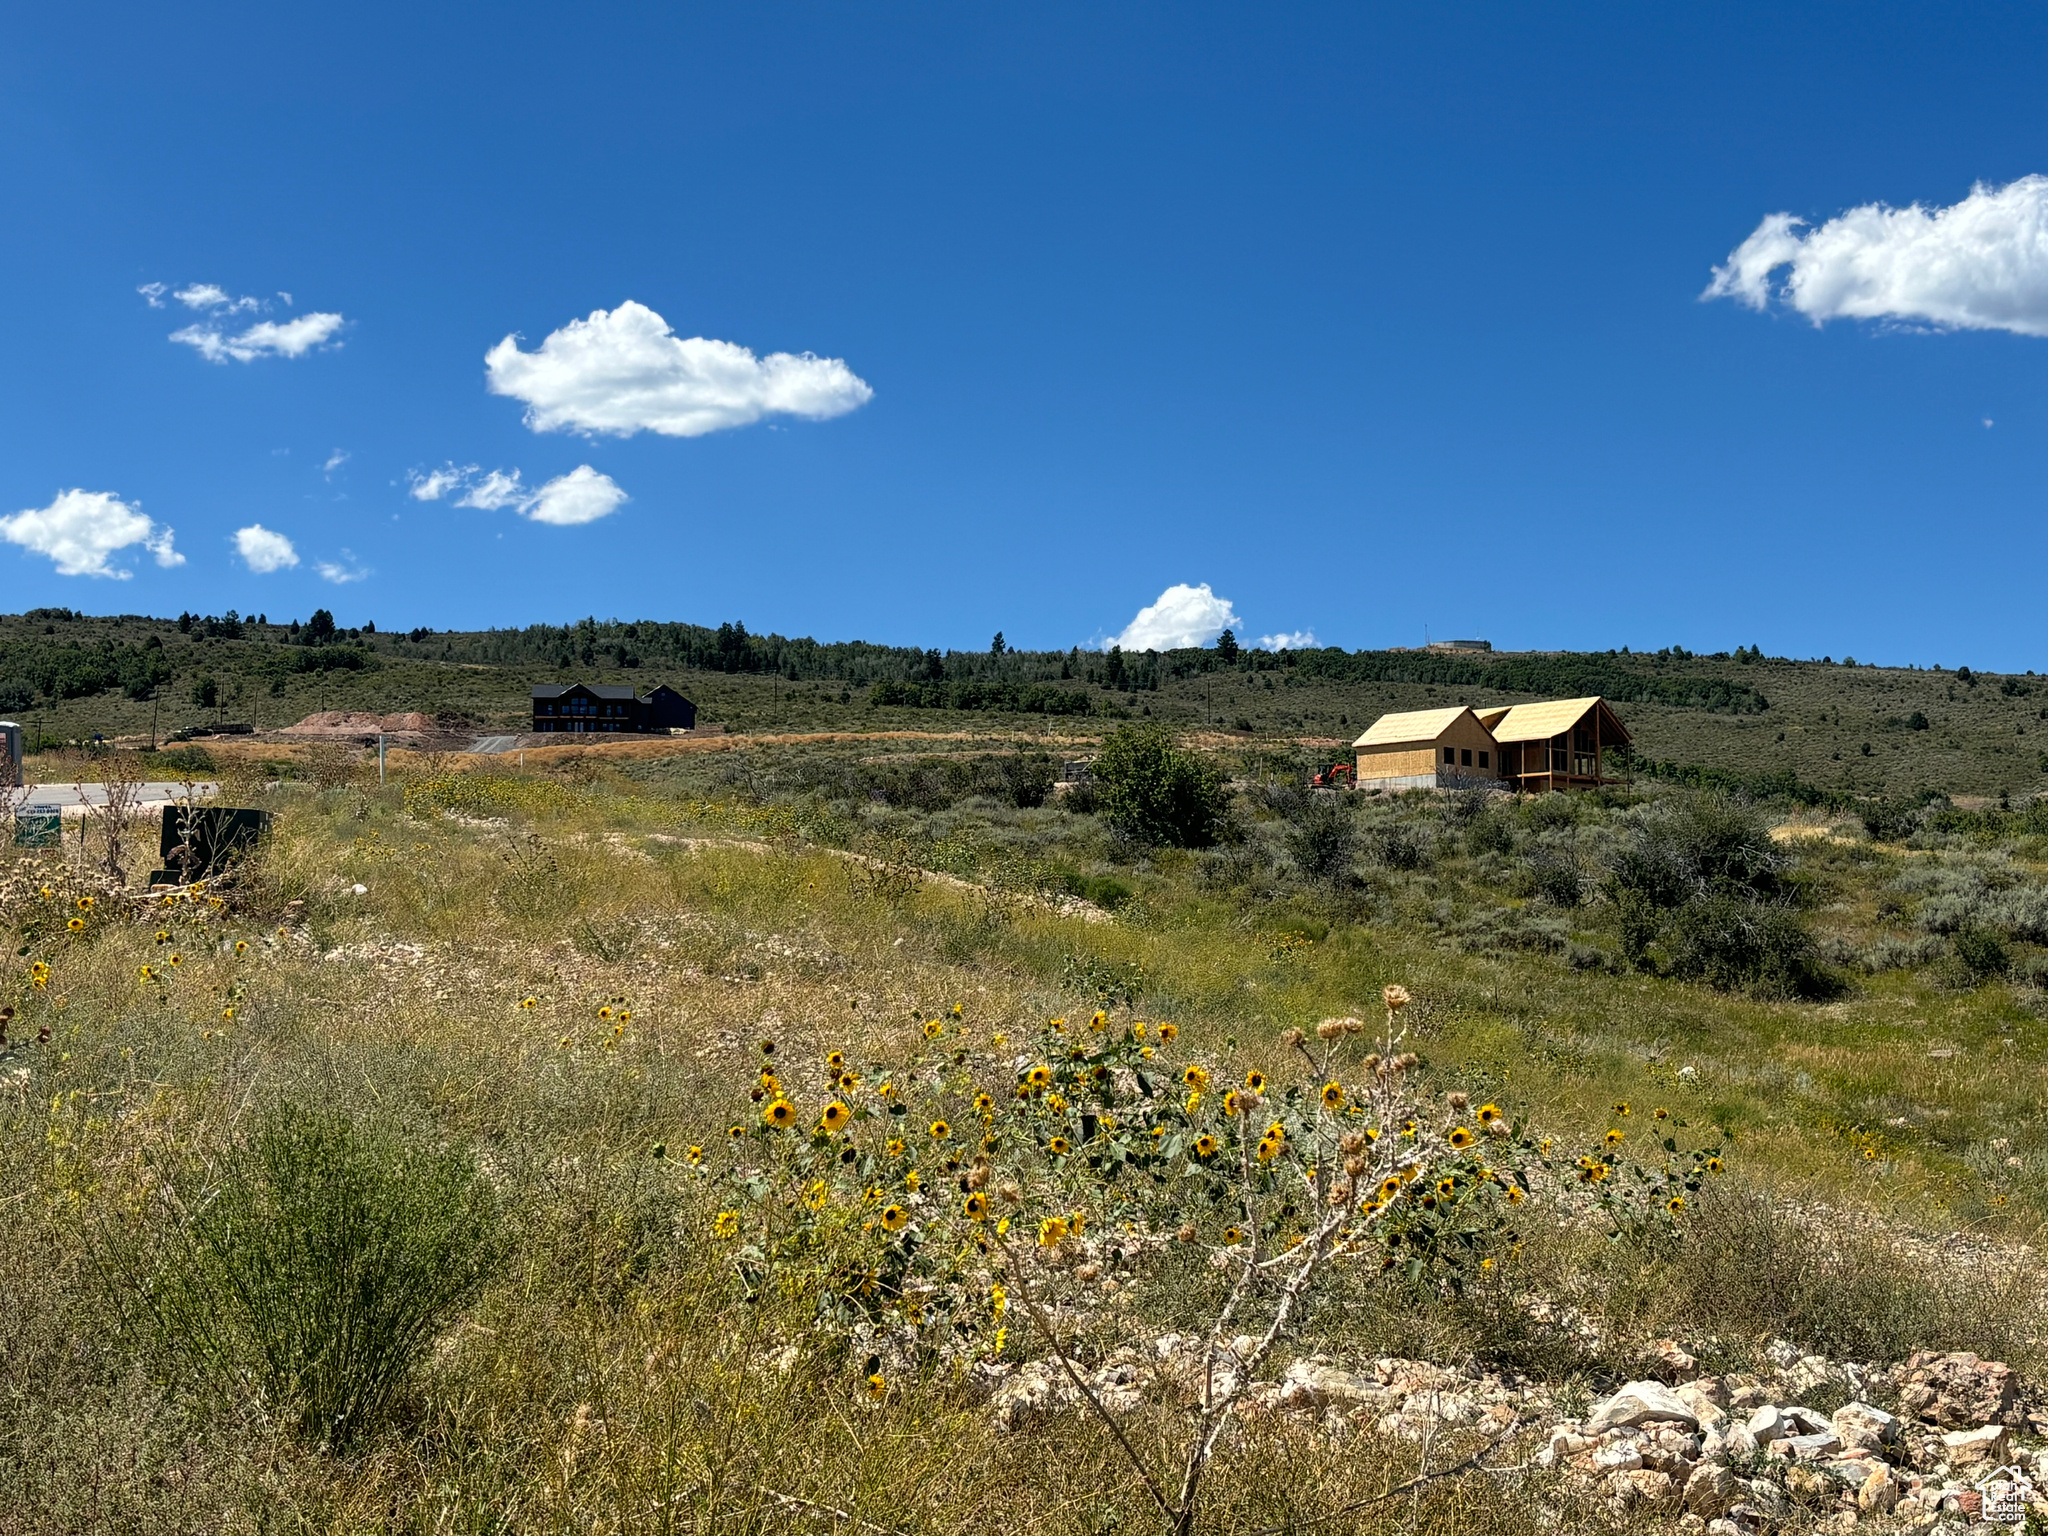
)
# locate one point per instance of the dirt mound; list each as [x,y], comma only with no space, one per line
[356,722]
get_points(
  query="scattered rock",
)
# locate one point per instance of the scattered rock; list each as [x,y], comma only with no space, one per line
[1807,1447]
[1316,1383]
[1642,1402]
[1968,1447]
[1622,1456]
[1863,1427]
[1652,1492]
[1671,1363]
[1960,1391]
[1879,1494]
[1745,1393]
[1710,1492]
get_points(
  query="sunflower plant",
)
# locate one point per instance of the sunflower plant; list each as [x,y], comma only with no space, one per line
[928,1203]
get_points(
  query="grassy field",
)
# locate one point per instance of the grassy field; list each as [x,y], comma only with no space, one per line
[545,989]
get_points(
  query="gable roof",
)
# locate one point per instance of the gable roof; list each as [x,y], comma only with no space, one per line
[595,690]
[1410,725]
[1551,717]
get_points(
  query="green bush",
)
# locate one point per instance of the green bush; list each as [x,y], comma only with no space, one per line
[1320,837]
[1154,792]
[1982,952]
[316,1266]
[1733,944]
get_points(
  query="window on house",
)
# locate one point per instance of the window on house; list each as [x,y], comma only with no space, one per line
[1465,758]
[1451,755]
[1482,759]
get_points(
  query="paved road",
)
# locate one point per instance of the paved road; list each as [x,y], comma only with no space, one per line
[51,797]
[492,745]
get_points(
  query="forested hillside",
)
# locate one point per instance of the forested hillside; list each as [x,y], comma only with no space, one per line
[1769,723]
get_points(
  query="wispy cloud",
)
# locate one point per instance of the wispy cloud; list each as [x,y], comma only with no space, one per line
[334,461]
[1980,264]
[214,339]
[263,550]
[80,530]
[623,371]
[433,484]
[341,574]
[213,296]
[266,338]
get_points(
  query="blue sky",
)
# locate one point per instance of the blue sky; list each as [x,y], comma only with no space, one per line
[1371,320]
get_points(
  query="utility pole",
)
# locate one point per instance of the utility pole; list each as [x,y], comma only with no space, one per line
[154,701]
[380,759]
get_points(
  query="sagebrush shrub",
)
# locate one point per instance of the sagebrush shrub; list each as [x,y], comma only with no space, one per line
[313,1268]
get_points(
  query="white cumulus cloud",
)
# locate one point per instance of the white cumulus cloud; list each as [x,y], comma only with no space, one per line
[152,294]
[263,550]
[1183,617]
[80,529]
[266,338]
[1980,264]
[624,371]
[1298,640]
[581,496]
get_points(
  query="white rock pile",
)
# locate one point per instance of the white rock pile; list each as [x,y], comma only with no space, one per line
[1725,1455]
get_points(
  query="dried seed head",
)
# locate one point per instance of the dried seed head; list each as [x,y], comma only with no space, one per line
[1395,997]
[1372,1062]
[977,1177]
[1354,1141]
[1496,1128]
[1460,1100]
[1290,1039]
[1354,1166]
[1340,1192]
[1010,1192]
[1406,1060]
[1086,1272]
[1187,1232]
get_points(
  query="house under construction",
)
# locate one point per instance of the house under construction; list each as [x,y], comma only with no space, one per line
[1556,744]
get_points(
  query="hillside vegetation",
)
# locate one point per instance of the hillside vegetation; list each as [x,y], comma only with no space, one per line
[1813,728]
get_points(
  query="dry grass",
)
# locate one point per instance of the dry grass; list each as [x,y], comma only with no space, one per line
[615,1378]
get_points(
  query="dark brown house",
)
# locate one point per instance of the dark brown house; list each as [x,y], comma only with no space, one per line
[581,708]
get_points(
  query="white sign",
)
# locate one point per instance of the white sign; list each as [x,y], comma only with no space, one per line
[2006,1492]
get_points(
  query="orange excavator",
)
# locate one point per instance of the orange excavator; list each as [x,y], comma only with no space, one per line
[1336,776]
